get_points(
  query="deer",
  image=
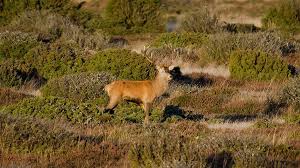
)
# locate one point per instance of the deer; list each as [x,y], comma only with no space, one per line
[142,92]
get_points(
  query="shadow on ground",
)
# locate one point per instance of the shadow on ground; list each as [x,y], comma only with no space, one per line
[175,111]
[181,79]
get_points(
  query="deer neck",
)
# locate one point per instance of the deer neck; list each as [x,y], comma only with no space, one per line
[160,85]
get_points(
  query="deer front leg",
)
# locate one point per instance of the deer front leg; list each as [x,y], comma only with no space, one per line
[147,109]
[113,102]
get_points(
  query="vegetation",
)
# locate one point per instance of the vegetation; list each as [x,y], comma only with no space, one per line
[133,16]
[56,59]
[180,40]
[123,64]
[79,87]
[219,46]
[57,56]
[257,65]
[284,17]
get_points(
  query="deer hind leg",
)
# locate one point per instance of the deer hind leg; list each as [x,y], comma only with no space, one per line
[147,109]
[113,102]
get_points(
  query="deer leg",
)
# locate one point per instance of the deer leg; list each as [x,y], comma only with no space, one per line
[113,102]
[147,108]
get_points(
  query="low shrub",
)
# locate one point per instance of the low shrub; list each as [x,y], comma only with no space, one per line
[285,16]
[166,55]
[133,16]
[12,9]
[56,59]
[15,73]
[16,44]
[28,136]
[50,26]
[180,40]
[8,96]
[257,65]
[168,150]
[201,21]
[219,46]
[79,87]
[57,108]
[241,28]
[123,64]
[206,101]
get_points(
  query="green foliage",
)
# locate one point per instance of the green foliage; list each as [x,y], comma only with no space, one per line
[16,44]
[57,108]
[180,40]
[57,59]
[123,64]
[79,87]
[124,16]
[14,73]
[29,136]
[286,16]
[257,65]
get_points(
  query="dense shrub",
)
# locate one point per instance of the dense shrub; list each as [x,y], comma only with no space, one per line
[168,55]
[11,9]
[56,59]
[79,86]
[123,64]
[15,73]
[30,136]
[50,26]
[16,44]
[8,96]
[124,16]
[56,108]
[201,21]
[180,40]
[286,16]
[219,46]
[206,101]
[257,65]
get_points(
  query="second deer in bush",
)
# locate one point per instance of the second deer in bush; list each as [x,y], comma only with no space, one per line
[141,92]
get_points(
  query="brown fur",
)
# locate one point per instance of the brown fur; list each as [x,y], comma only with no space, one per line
[140,92]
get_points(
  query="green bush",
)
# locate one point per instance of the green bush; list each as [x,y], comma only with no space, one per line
[79,86]
[123,64]
[286,16]
[14,73]
[16,44]
[257,65]
[180,40]
[57,108]
[133,16]
[56,59]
